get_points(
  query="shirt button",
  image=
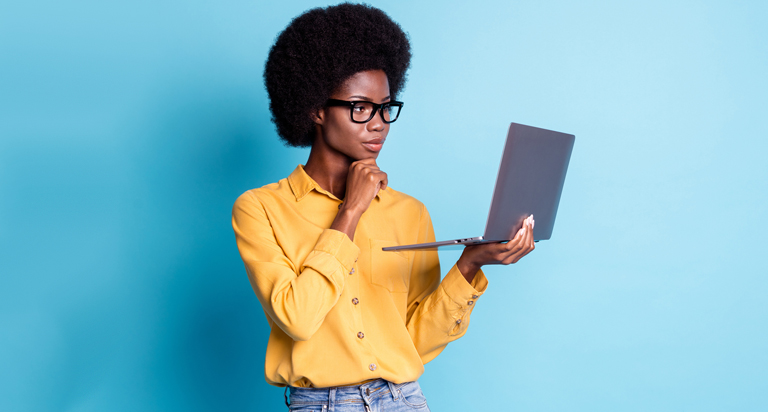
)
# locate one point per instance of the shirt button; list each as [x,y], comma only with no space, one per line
[360,335]
[355,301]
[470,303]
[458,321]
[475,296]
[352,272]
[340,205]
[372,366]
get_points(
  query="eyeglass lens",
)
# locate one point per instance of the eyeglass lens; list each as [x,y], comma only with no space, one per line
[363,112]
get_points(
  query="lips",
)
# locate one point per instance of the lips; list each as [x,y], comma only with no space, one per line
[374,145]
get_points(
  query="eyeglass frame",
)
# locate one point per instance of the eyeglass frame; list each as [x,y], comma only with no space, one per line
[376,107]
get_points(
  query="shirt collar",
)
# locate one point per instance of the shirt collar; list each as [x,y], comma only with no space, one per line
[301,184]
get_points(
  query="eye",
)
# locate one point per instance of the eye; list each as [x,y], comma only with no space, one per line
[362,107]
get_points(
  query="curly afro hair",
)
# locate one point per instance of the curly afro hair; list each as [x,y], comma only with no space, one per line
[318,51]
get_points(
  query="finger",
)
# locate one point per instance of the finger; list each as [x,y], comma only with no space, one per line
[366,169]
[533,239]
[528,244]
[514,257]
[519,255]
[514,243]
[363,165]
[378,176]
[529,233]
[384,181]
[515,253]
[508,256]
[368,161]
[519,248]
[374,176]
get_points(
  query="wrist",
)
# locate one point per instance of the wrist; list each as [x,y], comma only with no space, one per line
[351,210]
[467,267]
[346,221]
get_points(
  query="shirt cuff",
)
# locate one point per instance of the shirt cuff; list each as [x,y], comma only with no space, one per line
[338,245]
[462,292]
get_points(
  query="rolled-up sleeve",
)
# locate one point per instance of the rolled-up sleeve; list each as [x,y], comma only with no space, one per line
[297,299]
[438,312]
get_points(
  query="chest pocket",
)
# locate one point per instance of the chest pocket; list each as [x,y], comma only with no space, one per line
[389,269]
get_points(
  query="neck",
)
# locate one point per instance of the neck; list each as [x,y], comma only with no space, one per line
[328,168]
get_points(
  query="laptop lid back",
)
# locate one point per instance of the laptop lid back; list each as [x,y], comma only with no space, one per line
[530,181]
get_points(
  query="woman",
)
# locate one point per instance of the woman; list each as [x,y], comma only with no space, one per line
[351,325]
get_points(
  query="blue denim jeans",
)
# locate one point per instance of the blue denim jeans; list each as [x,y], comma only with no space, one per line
[374,396]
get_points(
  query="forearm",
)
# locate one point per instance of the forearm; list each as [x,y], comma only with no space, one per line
[298,298]
[299,307]
[295,293]
[346,220]
[443,316]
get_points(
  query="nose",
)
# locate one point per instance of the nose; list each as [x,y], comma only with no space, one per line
[377,123]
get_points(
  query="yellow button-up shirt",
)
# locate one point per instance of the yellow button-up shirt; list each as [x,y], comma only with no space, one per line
[344,312]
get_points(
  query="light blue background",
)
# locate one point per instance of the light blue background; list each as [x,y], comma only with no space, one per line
[127,130]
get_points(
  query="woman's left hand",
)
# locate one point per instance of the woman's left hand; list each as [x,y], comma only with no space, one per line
[474,257]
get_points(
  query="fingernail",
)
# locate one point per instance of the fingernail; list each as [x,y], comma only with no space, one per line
[533,223]
[522,231]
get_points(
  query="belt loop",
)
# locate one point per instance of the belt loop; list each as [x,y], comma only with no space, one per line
[393,390]
[332,399]
[286,396]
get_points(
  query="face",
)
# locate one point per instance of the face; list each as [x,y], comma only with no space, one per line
[355,140]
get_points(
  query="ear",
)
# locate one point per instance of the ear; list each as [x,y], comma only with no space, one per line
[318,116]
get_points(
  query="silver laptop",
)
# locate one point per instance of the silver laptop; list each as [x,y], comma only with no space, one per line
[530,182]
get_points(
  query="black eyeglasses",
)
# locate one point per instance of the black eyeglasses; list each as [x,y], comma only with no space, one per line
[362,112]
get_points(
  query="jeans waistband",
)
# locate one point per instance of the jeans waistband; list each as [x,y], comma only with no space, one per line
[362,394]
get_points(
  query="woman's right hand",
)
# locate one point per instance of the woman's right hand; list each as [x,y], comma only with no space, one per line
[364,181]
[475,257]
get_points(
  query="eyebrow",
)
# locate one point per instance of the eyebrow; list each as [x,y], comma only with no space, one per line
[368,98]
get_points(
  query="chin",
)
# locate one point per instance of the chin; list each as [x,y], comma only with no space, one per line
[365,154]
